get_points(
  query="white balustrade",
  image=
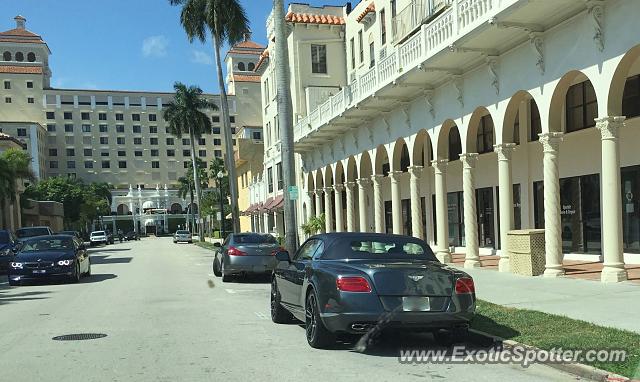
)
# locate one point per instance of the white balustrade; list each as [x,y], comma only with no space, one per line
[472,10]
[411,50]
[387,68]
[368,82]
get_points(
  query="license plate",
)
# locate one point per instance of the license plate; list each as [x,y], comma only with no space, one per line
[416,304]
[39,271]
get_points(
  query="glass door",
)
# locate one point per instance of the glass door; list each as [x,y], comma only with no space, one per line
[484,205]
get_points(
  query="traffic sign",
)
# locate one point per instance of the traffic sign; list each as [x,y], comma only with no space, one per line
[293,193]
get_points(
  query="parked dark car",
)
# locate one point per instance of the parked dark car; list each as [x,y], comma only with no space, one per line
[131,236]
[8,246]
[353,282]
[110,238]
[245,253]
[25,232]
[50,257]
[76,234]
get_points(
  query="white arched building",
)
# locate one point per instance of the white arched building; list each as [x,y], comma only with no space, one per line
[481,116]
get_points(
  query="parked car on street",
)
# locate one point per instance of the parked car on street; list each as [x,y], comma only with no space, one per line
[8,246]
[353,282]
[98,237]
[182,236]
[55,257]
[110,238]
[131,235]
[76,234]
[245,253]
[25,232]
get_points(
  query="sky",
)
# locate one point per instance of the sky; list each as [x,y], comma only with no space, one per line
[124,44]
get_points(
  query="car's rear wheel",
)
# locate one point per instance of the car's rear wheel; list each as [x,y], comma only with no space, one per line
[279,314]
[225,277]
[216,267]
[318,336]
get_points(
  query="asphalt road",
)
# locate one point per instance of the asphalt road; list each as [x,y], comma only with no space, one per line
[167,318]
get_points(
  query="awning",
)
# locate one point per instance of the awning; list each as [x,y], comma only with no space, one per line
[249,210]
[267,205]
[278,203]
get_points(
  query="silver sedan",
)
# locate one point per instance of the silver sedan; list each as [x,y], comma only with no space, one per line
[245,253]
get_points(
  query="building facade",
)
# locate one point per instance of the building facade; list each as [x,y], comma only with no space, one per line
[465,119]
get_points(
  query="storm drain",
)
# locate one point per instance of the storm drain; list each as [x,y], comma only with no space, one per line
[79,337]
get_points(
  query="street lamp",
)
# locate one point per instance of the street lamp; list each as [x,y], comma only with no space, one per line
[220,175]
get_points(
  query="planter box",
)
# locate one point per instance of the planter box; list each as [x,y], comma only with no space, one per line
[526,251]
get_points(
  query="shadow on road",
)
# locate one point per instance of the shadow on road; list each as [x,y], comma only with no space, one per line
[107,259]
[99,249]
[252,279]
[6,297]
[97,277]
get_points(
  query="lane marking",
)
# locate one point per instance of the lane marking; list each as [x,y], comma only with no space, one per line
[230,291]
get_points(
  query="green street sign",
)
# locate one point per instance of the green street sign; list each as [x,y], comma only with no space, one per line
[293,193]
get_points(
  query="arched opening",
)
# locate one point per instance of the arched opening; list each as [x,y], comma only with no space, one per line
[310,182]
[328,199]
[366,167]
[19,56]
[449,142]
[251,66]
[176,208]
[401,158]
[122,209]
[6,56]
[480,134]
[241,66]
[382,166]
[340,179]
[422,149]
[522,118]
[574,94]
[31,57]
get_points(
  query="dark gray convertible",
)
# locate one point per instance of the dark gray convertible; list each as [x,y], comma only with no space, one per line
[353,282]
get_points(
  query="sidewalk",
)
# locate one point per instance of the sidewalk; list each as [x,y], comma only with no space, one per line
[613,305]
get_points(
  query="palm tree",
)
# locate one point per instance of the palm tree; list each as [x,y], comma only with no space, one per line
[227,22]
[14,165]
[185,115]
[185,188]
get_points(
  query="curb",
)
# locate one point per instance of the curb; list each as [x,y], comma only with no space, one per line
[575,368]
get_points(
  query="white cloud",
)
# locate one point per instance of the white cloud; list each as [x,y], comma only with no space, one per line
[200,57]
[155,46]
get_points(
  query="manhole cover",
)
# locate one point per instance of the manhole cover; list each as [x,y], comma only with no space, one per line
[79,337]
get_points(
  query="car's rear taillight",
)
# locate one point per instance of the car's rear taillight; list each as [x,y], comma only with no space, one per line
[233,251]
[464,285]
[279,249]
[353,284]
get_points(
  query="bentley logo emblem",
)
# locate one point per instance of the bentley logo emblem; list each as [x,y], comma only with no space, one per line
[416,278]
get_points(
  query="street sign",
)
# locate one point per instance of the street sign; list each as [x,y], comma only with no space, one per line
[218,216]
[293,192]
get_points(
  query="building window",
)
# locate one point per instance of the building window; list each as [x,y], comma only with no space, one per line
[202,141]
[30,100]
[535,124]
[582,107]
[85,116]
[104,154]
[318,59]
[135,117]
[153,141]
[217,153]
[155,153]
[7,99]
[152,117]
[372,55]
[137,141]
[51,128]
[383,27]
[122,164]
[7,85]
[186,164]
[71,164]
[104,140]
[68,115]
[53,152]
[484,142]
[120,128]
[352,45]
[102,116]
[88,164]
[71,152]
[251,67]
[170,141]
[516,129]
[215,130]
[155,164]
[120,140]
[217,142]
[186,153]
[153,129]
[232,119]
[186,142]
[68,128]
[455,145]
[106,164]
[6,56]
[122,153]
[103,128]
[86,128]
[119,117]
[19,57]
[241,66]
[270,179]
[215,119]
[88,152]
[279,175]
[29,84]
[53,164]
[171,153]
[233,129]
[137,153]
[631,97]
[22,132]
[51,115]
[361,46]
[31,57]
[202,153]
[137,129]
[256,135]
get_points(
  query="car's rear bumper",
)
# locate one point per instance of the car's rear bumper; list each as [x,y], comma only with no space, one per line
[362,322]
[183,239]
[250,264]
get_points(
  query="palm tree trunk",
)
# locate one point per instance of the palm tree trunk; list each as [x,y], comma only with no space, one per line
[285,118]
[228,141]
[196,179]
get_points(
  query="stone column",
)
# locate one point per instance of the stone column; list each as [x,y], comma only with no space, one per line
[378,205]
[338,188]
[312,208]
[328,210]
[505,188]
[442,213]
[350,218]
[612,248]
[417,230]
[265,217]
[396,202]
[363,186]
[472,255]
[552,223]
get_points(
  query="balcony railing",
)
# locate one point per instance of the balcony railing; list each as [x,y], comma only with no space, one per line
[458,18]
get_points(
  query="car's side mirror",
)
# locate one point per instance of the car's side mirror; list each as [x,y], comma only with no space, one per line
[217,245]
[283,256]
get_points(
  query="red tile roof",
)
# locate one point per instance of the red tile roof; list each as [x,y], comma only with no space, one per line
[12,69]
[246,78]
[308,18]
[248,44]
[263,58]
[20,36]
[370,8]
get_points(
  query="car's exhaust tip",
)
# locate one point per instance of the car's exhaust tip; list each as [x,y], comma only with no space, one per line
[361,327]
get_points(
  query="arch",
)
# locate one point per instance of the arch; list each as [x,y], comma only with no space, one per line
[31,57]
[6,56]
[339,177]
[19,56]
[305,217]
[176,208]
[509,135]
[366,167]
[480,126]
[311,184]
[401,158]
[241,67]
[328,176]
[251,67]
[122,209]
[559,98]
[619,80]
[319,180]
[382,162]
[448,130]
[352,169]
[422,149]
